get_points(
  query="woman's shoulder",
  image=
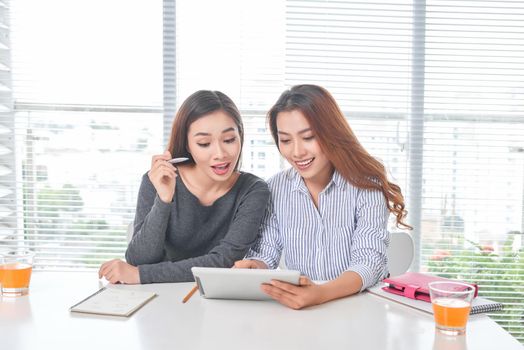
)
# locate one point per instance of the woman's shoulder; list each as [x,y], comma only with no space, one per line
[147,190]
[251,181]
[146,182]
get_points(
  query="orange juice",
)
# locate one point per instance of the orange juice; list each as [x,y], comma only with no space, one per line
[15,275]
[451,313]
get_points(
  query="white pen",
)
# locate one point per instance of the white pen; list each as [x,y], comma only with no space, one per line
[177,160]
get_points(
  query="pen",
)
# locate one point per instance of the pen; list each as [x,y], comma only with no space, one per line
[190,294]
[177,160]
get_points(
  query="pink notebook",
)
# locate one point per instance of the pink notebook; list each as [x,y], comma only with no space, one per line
[414,285]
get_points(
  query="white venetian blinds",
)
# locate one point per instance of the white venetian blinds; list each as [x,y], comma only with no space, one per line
[80,116]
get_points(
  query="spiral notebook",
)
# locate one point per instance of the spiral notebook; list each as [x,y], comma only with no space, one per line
[113,302]
[479,305]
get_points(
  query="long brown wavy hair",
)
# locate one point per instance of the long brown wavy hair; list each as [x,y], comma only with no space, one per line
[339,143]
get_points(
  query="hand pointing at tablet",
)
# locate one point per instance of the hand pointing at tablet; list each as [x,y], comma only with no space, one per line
[249,264]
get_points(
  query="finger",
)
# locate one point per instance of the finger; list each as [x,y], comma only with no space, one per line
[288,287]
[304,281]
[167,154]
[105,268]
[112,277]
[101,270]
[163,166]
[160,158]
[167,167]
[282,296]
[161,172]
[274,292]
[158,163]
[244,264]
[106,272]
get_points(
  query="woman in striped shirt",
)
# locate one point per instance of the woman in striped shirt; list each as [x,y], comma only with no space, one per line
[328,213]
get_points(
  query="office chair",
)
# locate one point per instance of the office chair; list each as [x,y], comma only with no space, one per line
[400,253]
[129,232]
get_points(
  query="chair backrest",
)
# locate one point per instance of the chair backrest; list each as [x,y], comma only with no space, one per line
[129,232]
[400,253]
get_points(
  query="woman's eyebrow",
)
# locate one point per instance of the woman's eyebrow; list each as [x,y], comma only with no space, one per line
[201,133]
[300,132]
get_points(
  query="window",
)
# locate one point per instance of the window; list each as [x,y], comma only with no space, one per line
[435,89]
[82,116]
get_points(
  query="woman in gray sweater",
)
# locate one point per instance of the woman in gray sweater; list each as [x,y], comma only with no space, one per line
[204,212]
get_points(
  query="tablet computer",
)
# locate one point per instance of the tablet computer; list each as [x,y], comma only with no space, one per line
[222,283]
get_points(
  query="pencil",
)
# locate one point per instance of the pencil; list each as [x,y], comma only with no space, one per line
[190,294]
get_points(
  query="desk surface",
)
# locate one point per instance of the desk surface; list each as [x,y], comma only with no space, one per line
[42,320]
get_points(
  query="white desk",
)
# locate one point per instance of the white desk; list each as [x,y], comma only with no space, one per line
[42,320]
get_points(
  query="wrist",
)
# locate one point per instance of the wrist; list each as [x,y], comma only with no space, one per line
[166,199]
[324,294]
[137,275]
[260,264]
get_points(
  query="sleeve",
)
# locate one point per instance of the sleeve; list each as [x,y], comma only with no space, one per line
[268,246]
[371,238]
[151,219]
[240,236]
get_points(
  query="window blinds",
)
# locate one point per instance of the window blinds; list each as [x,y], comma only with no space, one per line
[82,113]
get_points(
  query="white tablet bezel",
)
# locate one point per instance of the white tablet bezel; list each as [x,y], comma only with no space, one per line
[223,283]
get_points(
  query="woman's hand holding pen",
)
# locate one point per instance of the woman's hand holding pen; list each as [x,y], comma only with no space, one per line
[305,294]
[163,176]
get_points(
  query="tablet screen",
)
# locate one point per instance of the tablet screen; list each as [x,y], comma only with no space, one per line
[223,283]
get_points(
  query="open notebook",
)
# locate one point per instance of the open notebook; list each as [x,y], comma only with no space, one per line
[113,301]
[479,305]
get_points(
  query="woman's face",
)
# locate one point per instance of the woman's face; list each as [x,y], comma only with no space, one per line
[214,143]
[298,144]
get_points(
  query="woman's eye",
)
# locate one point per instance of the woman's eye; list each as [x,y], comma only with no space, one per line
[308,138]
[203,144]
[231,140]
[285,141]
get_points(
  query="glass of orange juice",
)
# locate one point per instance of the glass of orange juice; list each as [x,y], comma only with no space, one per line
[451,305]
[15,272]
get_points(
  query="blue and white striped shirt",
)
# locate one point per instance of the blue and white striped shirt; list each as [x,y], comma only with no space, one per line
[348,231]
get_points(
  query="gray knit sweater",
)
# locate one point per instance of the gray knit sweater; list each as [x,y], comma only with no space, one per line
[170,238]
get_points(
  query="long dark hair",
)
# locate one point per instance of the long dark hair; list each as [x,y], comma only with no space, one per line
[339,143]
[198,105]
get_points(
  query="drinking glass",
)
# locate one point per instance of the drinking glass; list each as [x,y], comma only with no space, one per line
[451,305]
[15,272]
[449,342]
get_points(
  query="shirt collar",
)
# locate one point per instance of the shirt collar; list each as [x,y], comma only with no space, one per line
[300,185]
[338,179]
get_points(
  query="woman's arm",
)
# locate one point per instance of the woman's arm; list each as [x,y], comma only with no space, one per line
[370,239]
[368,260]
[309,293]
[240,236]
[267,249]
[147,244]
[151,218]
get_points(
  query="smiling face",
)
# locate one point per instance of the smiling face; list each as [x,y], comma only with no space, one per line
[297,143]
[214,143]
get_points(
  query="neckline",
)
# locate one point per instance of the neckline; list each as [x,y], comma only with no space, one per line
[180,181]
